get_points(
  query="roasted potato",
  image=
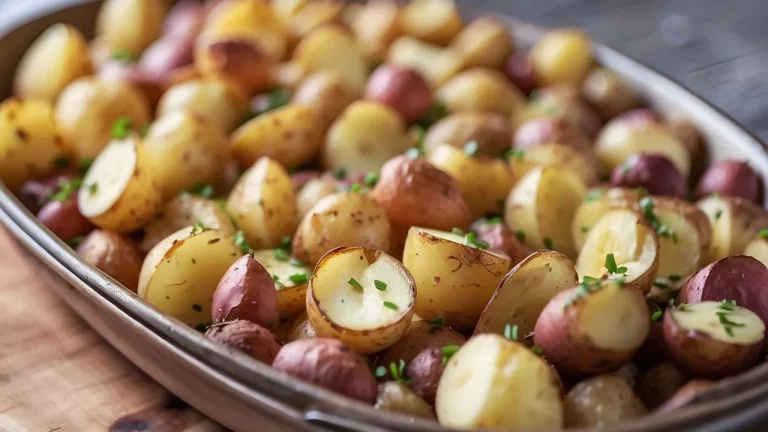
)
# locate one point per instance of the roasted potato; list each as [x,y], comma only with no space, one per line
[425,370]
[376,25]
[301,328]
[562,56]
[63,218]
[605,90]
[290,280]
[55,59]
[560,156]
[120,192]
[539,205]
[546,130]
[485,383]
[397,397]
[248,337]
[730,178]
[712,339]
[310,17]
[420,336]
[30,142]
[481,90]
[525,291]
[220,101]
[402,89]
[263,204]
[652,171]
[659,383]
[254,21]
[130,26]
[499,237]
[331,364]
[454,276]
[735,222]
[149,85]
[484,181]
[115,255]
[600,402]
[331,48]
[180,274]
[593,328]
[341,219]
[484,42]
[436,64]
[490,131]
[87,109]
[246,292]
[561,102]
[433,21]
[519,68]
[327,93]
[364,137]
[313,191]
[238,58]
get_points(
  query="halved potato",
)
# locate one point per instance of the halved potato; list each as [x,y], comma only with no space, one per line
[254,21]
[361,296]
[219,100]
[584,165]
[484,42]
[332,48]
[436,64]
[454,277]
[495,383]
[525,291]
[596,204]
[481,90]
[130,26]
[541,205]
[263,204]
[484,181]
[375,27]
[633,243]
[594,327]
[735,222]
[180,274]
[434,21]
[758,249]
[120,192]
[713,339]
[620,139]
[291,277]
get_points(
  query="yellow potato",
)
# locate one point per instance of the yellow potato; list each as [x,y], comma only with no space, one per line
[495,383]
[361,296]
[758,249]
[30,144]
[453,279]
[56,58]
[375,26]
[88,108]
[436,64]
[185,149]
[491,132]
[313,191]
[620,139]
[219,100]
[311,16]
[541,206]
[484,181]
[602,401]
[250,20]
[481,90]
[120,192]
[433,21]
[331,48]
[290,135]
[485,42]
[130,25]
[182,211]
[291,292]
[735,222]
[180,274]
[285,9]
[263,204]
[326,92]
[364,137]
[584,165]
[562,56]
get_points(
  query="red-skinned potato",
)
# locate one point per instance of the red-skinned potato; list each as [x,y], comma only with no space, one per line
[500,237]
[652,171]
[239,59]
[420,336]
[735,222]
[659,383]
[330,364]
[685,395]
[740,278]
[115,255]
[730,178]
[414,192]
[595,327]
[150,85]
[605,90]
[600,402]
[424,372]
[520,70]
[246,292]
[64,219]
[248,337]
[713,339]
[544,130]
[403,89]
[301,328]
[653,351]
[35,193]
[398,397]
[166,56]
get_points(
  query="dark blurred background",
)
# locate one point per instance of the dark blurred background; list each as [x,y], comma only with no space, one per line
[717,48]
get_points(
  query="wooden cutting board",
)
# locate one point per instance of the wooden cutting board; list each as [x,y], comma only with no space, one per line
[56,374]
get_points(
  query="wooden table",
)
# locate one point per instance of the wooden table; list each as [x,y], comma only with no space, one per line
[57,375]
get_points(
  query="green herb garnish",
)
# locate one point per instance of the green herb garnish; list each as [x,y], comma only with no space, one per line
[355,284]
[380,372]
[548,243]
[278,284]
[448,352]
[66,189]
[85,165]
[241,242]
[646,204]
[199,226]
[510,331]
[285,244]
[435,113]
[380,285]
[763,234]
[75,241]
[537,350]
[121,128]
[281,255]
[371,179]
[438,322]
[355,187]
[610,265]
[398,371]
[657,315]
[584,229]
[390,305]
[496,220]
[204,190]
[340,174]
[458,232]
[299,278]
[124,56]
[471,240]
[594,194]
[93,188]
[520,235]
[718,213]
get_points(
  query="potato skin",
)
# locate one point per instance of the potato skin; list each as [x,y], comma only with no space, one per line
[601,401]
[653,351]
[397,397]
[64,219]
[543,130]
[652,171]
[685,395]
[238,58]
[246,292]
[248,337]
[35,193]
[425,371]
[327,93]
[491,132]
[331,364]
[221,101]
[115,255]
[420,336]
[519,68]
[604,90]
[301,328]
[131,26]
[403,89]
[484,42]
[730,178]
[500,237]
[562,56]
[481,90]
[656,385]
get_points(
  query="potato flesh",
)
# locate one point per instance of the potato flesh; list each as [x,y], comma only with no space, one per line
[282,269]
[111,172]
[735,222]
[435,63]
[455,238]
[348,307]
[618,141]
[758,249]
[490,382]
[678,256]
[702,318]
[330,48]
[615,304]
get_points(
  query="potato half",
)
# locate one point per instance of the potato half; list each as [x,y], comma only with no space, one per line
[219,100]
[435,63]
[633,243]
[620,139]
[120,193]
[290,277]
[181,273]
[541,205]
[454,279]
[594,327]
[758,249]
[735,222]
[361,296]
[481,90]
[713,339]
[525,291]
[492,382]
[583,164]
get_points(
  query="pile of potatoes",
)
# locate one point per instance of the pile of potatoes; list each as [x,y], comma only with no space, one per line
[398,205]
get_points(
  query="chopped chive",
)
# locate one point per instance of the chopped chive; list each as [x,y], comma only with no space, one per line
[122,127]
[241,242]
[340,174]
[278,284]
[518,154]
[584,229]
[380,372]
[371,179]
[93,188]
[448,352]
[438,322]
[510,331]
[496,220]
[520,235]
[281,255]
[458,231]
[123,56]
[85,165]
[355,187]
[656,315]
[537,350]
[381,286]
[203,190]
[763,234]
[719,213]
[285,244]
[548,243]
[299,278]
[355,284]
[66,189]
[390,305]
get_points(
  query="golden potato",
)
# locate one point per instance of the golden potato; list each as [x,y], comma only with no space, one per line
[375,27]
[185,149]
[290,280]
[120,192]
[481,90]
[454,276]
[88,108]
[311,16]
[398,397]
[246,20]
[602,401]
[220,101]
[735,222]
[605,90]
[490,131]
[313,191]
[758,249]
[562,102]
[562,56]
[130,26]
[56,58]
[484,182]
[484,42]
[30,143]
[341,219]
[181,273]
[327,93]
[331,48]
[263,204]
[290,135]
[240,59]
[433,21]
[562,156]
[436,64]
[364,137]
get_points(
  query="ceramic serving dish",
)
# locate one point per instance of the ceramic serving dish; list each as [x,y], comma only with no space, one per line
[248,396]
